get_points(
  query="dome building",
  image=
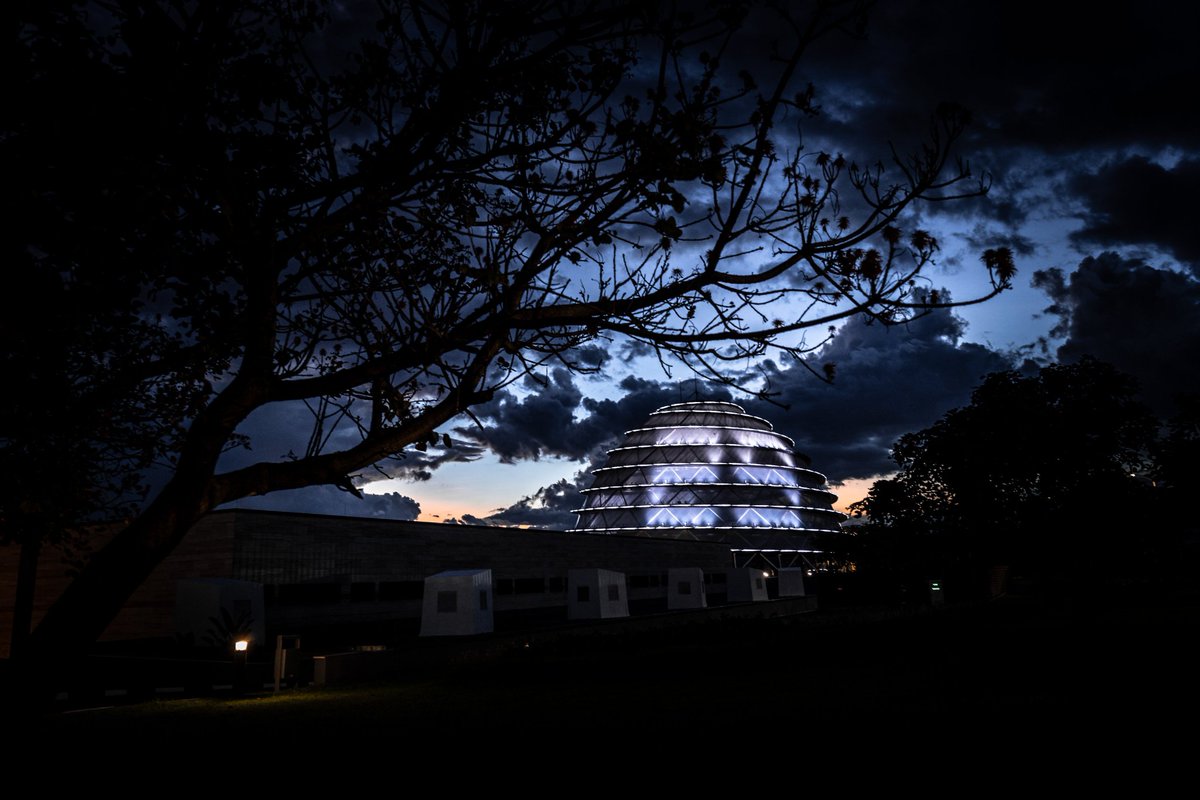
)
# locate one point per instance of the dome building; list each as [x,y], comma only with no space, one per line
[709,471]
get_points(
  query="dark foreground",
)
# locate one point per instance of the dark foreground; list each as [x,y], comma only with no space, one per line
[1047,681]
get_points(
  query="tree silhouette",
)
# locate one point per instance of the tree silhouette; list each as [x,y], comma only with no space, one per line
[228,206]
[1046,472]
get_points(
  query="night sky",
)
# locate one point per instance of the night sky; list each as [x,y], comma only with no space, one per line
[1086,123]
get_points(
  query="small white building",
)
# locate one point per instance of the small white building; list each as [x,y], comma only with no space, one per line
[216,611]
[791,582]
[457,602]
[745,585]
[685,588]
[596,594]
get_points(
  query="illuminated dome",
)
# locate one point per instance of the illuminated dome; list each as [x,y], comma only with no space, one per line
[709,470]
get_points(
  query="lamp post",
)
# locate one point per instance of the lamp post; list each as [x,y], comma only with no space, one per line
[241,648]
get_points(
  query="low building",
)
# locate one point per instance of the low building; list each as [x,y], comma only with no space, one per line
[321,572]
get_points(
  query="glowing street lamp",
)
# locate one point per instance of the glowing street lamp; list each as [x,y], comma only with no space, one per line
[240,651]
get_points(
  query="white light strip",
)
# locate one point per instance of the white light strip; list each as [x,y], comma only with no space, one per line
[709,427]
[741,412]
[748,529]
[768,432]
[704,484]
[598,470]
[788,450]
[769,550]
[748,506]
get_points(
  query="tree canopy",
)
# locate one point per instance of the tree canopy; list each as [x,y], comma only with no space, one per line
[387,212]
[1046,472]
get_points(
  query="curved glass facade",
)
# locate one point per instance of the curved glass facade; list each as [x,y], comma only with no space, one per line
[709,470]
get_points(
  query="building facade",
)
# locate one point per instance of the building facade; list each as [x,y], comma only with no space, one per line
[708,471]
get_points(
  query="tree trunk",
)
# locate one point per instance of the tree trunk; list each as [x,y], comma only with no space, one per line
[103,587]
[26,587]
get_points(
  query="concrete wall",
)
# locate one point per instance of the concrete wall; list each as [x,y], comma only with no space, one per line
[745,585]
[685,588]
[596,594]
[791,582]
[458,603]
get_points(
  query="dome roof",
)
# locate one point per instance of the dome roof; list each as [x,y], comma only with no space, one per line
[709,470]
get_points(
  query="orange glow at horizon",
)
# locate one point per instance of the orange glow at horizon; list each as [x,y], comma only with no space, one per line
[853,490]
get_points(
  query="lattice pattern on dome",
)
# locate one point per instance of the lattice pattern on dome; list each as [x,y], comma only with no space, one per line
[709,470]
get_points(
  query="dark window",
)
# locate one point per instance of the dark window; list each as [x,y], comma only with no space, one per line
[639,581]
[362,592]
[558,584]
[391,591]
[530,585]
[685,587]
[302,593]
[447,602]
[505,586]
[758,583]
[483,600]
[614,592]
[582,594]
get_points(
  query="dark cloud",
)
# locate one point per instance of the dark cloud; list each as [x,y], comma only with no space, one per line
[607,420]
[1136,201]
[1056,76]
[415,465]
[889,381]
[542,424]
[1050,86]
[983,238]
[629,349]
[281,430]
[331,500]
[1143,320]
[537,425]
[549,507]
[591,356]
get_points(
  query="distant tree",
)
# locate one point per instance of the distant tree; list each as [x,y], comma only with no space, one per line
[1177,454]
[1046,472]
[1177,470]
[387,211]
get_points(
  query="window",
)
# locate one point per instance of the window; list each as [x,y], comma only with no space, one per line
[758,583]
[393,591]
[447,602]
[582,594]
[530,585]
[483,600]
[685,587]
[614,592]
[303,593]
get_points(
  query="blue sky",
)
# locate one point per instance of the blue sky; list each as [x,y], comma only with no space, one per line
[1083,123]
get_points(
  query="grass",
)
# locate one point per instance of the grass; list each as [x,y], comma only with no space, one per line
[833,679]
